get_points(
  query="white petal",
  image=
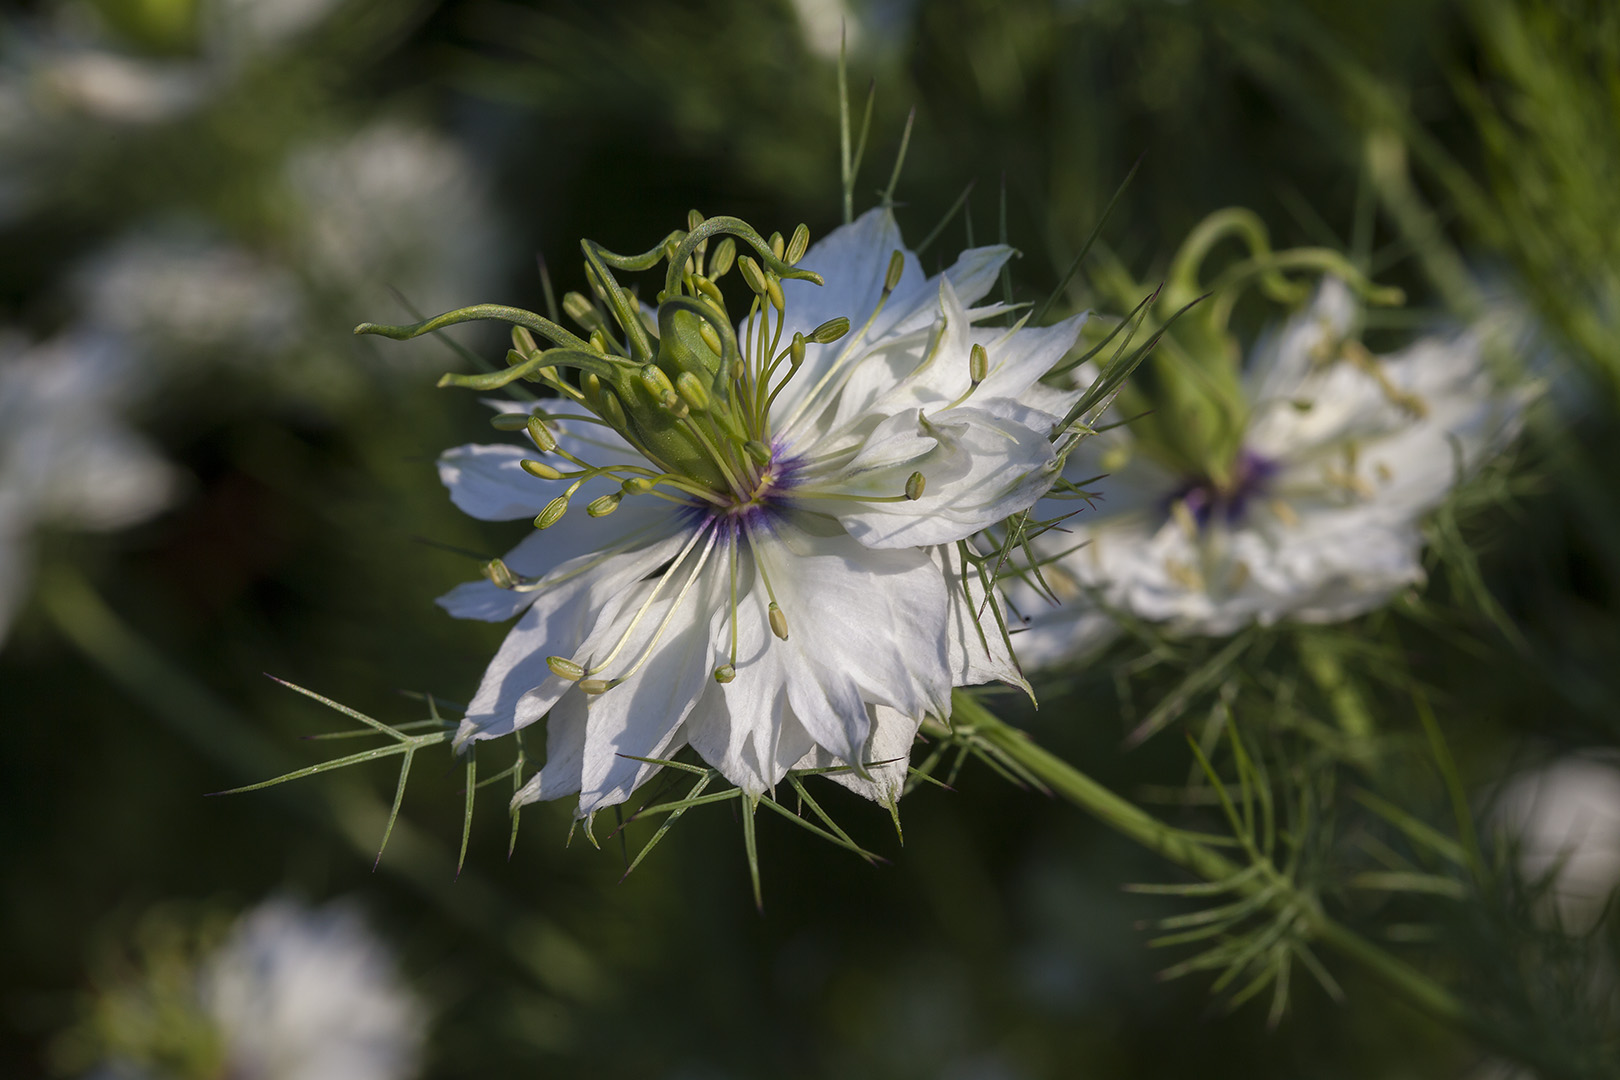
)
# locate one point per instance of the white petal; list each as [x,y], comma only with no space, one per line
[486,481]
[863,627]
[978,649]
[518,687]
[979,467]
[886,757]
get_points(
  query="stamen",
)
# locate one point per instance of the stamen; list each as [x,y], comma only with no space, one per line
[553,512]
[500,575]
[564,668]
[652,646]
[778,621]
[914,486]
[539,469]
[646,605]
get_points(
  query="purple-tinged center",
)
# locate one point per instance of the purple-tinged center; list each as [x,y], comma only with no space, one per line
[1208,501]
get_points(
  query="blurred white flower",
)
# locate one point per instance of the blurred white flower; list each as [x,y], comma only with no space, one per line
[1343,455]
[66,458]
[1566,818]
[301,993]
[172,293]
[791,594]
[393,206]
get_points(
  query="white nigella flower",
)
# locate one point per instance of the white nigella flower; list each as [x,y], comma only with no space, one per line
[297,993]
[66,459]
[781,582]
[392,206]
[1565,818]
[1313,510]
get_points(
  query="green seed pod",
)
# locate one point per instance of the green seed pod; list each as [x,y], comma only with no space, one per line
[540,469]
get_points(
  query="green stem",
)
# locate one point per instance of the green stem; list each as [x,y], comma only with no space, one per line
[971,718]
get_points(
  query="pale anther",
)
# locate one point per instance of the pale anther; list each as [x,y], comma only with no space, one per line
[553,513]
[542,436]
[596,686]
[564,668]
[605,505]
[692,390]
[724,673]
[914,486]
[978,364]
[752,276]
[797,245]
[499,574]
[540,469]
[778,621]
[773,289]
[830,331]
[897,266]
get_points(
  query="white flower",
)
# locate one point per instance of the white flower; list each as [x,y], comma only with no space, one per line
[177,293]
[310,994]
[1566,818]
[393,206]
[66,459]
[1342,456]
[791,594]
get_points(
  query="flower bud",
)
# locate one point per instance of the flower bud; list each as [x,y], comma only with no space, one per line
[720,262]
[914,486]
[541,434]
[897,266]
[499,574]
[605,505]
[830,331]
[978,364]
[564,668]
[753,277]
[692,391]
[540,469]
[797,246]
[778,621]
[553,513]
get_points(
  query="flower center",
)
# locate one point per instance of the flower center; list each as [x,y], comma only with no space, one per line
[1202,501]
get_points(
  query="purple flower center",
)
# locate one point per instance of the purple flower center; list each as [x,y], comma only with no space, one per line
[1208,501]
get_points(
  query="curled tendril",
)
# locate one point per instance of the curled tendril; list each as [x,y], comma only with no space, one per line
[517,316]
